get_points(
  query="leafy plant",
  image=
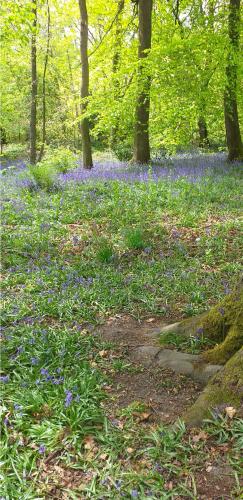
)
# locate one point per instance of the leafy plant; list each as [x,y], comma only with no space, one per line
[134,238]
[122,150]
[191,344]
[105,250]
[61,159]
[45,175]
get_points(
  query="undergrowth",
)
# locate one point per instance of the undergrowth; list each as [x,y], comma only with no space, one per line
[71,259]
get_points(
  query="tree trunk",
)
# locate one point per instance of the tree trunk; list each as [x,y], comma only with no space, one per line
[141,142]
[203,132]
[115,65]
[3,138]
[223,325]
[233,136]
[116,56]
[44,84]
[72,88]
[86,144]
[33,87]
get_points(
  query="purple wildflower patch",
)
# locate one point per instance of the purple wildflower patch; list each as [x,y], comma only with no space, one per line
[68,398]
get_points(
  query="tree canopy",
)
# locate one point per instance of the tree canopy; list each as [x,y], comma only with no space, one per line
[186,67]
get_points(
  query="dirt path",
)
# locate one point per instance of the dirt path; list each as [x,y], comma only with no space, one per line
[166,395]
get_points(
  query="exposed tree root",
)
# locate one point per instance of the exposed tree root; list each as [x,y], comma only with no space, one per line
[223,325]
[226,387]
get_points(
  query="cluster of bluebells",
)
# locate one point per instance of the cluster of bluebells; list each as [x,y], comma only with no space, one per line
[192,166]
[47,377]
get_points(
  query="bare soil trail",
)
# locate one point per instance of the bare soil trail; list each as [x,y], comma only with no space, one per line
[164,393]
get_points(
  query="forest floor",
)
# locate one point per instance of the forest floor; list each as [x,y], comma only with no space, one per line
[91,271]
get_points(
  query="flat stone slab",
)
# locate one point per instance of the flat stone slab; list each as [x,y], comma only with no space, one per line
[180,362]
[174,327]
[144,354]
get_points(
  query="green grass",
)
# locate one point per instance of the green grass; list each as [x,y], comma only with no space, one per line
[75,257]
[191,344]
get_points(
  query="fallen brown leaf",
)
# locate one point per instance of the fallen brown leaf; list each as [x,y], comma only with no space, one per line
[89,443]
[230,411]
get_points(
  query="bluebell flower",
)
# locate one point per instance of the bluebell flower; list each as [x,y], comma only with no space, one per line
[68,399]
[34,361]
[44,371]
[118,484]
[42,449]
[6,421]
[134,493]
[4,379]
[17,407]
[147,250]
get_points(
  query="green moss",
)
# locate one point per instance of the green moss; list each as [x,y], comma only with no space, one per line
[222,325]
[226,387]
[221,353]
[217,322]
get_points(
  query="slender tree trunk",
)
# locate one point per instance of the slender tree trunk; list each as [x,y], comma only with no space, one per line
[141,142]
[116,62]
[72,88]
[203,132]
[116,57]
[86,144]
[233,136]
[44,83]
[33,87]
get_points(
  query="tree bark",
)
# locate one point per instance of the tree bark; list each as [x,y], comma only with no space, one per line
[224,389]
[203,132]
[3,138]
[115,64]
[44,83]
[76,111]
[33,87]
[141,142]
[86,144]
[232,128]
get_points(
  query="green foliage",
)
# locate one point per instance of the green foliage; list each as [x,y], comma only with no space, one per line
[53,282]
[61,159]
[134,238]
[187,79]
[46,171]
[191,344]
[105,250]
[13,151]
[44,174]
[122,149]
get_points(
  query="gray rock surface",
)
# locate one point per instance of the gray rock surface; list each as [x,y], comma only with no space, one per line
[186,364]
